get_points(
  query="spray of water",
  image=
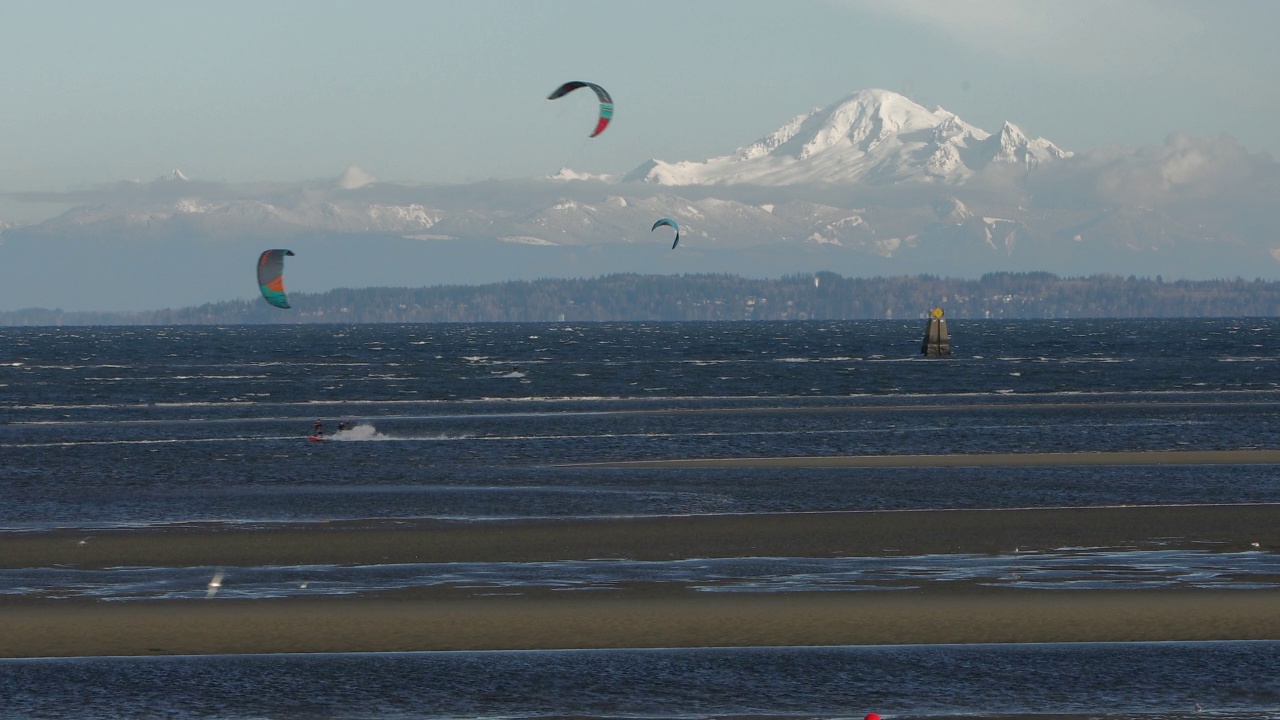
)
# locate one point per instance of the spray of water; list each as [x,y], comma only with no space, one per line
[359,432]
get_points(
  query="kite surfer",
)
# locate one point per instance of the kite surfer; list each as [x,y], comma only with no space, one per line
[317,429]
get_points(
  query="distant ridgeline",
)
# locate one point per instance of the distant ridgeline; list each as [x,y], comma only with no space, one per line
[821,296]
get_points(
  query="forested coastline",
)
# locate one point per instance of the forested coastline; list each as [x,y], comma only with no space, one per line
[632,297]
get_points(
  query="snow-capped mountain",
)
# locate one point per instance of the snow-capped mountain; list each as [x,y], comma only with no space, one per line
[566,174]
[874,137]
[174,203]
[238,216]
[873,184]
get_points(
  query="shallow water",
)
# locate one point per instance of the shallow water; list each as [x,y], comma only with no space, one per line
[1068,569]
[138,427]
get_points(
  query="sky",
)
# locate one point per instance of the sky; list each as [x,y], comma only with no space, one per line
[421,92]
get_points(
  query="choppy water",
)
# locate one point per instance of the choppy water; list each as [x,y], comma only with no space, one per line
[1146,681]
[127,427]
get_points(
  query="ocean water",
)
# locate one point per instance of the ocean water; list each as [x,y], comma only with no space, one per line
[140,427]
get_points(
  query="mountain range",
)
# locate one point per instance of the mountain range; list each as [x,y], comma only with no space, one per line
[874,184]
[875,137]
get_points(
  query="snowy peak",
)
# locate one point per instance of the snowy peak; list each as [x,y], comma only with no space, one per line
[862,121]
[775,139]
[174,175]
[874,137]
[1011,145]
[649,171]
[566,175]
[867,119]
[951,211]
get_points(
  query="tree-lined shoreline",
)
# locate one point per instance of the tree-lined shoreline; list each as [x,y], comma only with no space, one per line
[721,297]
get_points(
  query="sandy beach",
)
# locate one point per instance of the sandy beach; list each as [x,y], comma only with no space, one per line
[814,534]
[627,618]
[653,615]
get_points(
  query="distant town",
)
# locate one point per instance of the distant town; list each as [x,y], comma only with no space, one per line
[631,297]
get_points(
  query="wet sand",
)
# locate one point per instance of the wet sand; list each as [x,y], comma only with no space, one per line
[808,534]
[665,615]
[657,615]
[628,619]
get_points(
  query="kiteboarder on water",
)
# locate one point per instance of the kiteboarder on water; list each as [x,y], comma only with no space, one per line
[317,428]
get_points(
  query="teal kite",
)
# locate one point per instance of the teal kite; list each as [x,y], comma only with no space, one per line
[271,276]
[671,224]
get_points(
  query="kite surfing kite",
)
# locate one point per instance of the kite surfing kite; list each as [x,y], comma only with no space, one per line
[671,224]
[606,102]
[271,276]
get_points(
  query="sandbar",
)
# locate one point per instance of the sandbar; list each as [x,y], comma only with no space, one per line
[579,620]
[797,534]
[639,615]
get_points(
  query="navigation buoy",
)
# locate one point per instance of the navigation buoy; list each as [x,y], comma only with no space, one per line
[871,716]
[937,342]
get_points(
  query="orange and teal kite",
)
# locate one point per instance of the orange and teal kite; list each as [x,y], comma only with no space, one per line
[606,102]
[271,276]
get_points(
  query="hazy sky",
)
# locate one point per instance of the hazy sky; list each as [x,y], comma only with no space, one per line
[444,92]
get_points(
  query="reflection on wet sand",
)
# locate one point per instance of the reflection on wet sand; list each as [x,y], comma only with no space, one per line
[636,612]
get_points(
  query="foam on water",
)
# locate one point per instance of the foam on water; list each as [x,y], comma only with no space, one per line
[1065,569]
[119,428]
